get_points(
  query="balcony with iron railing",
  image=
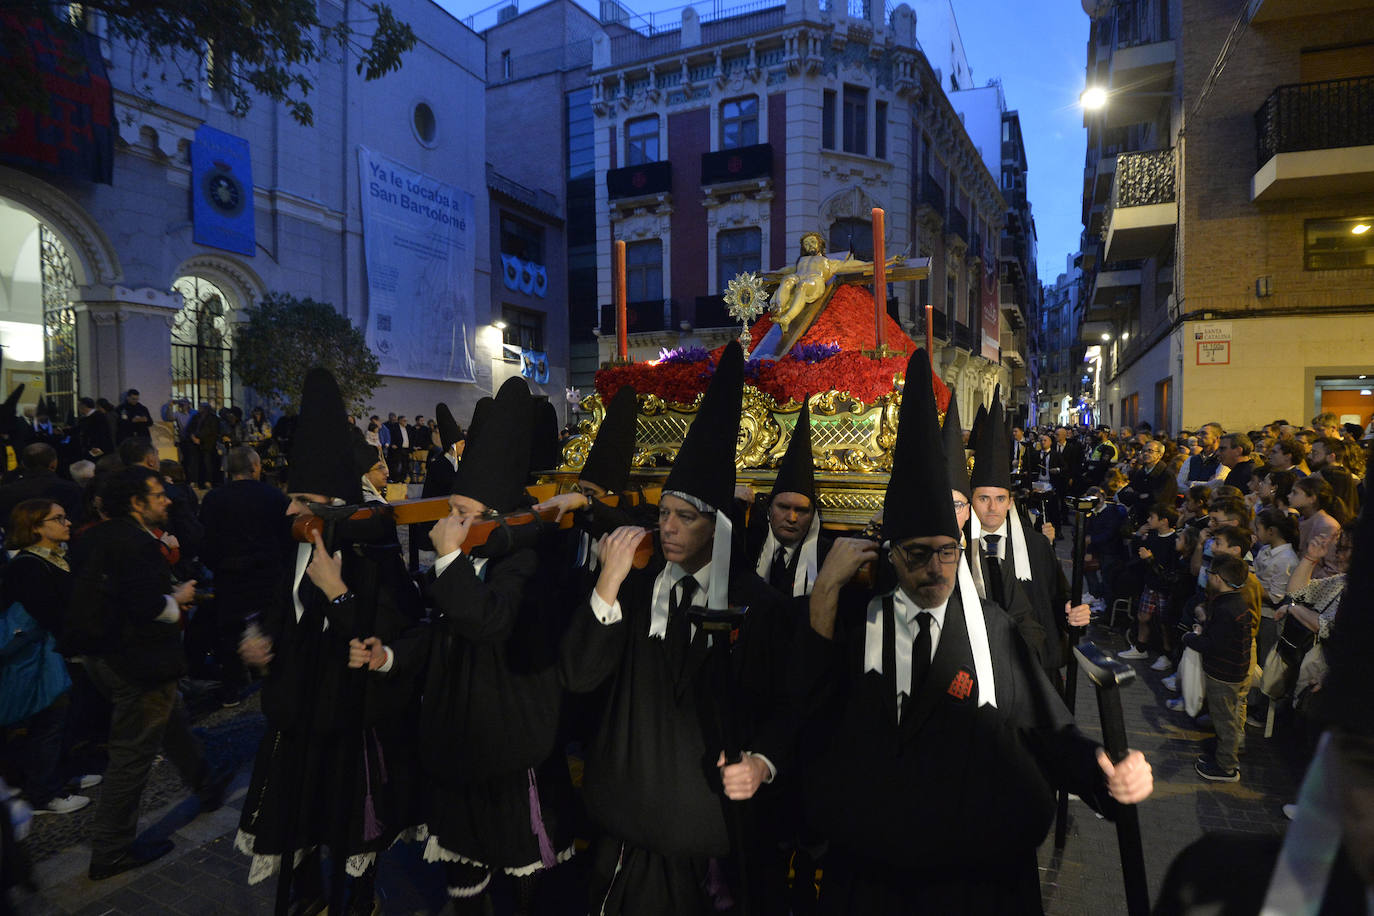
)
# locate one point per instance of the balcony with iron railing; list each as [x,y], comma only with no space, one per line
[1142,61]
[1142,212]
[742,163]
[957,224]
[932,195]
[644,180]
[1315,140]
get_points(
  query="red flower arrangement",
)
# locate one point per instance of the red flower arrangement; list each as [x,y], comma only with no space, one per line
[847,321]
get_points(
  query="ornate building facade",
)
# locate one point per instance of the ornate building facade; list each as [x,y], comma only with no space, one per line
[723,141]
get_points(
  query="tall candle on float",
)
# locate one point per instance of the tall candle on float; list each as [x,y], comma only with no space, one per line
[879,280]
[622,341]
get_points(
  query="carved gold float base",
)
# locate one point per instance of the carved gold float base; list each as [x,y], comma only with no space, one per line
[851,445]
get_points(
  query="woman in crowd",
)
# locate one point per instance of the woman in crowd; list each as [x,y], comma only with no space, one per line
[35,676]
[1321,516]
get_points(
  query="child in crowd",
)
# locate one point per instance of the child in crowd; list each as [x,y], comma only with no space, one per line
[1161,568]
[1276,533]
[1103,541]
[1225,641]
[1194,512]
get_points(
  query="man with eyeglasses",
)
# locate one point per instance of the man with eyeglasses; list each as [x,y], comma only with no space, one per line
[928,694]
[1151,484]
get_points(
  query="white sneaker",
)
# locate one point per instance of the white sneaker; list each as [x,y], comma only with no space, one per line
[91,780]
[63,804]
[1175,704]
[1290,811]
[1171,682]
[1162,664]
[1133,654]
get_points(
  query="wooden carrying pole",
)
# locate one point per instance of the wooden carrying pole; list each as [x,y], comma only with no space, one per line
[622,342]
[930,330]
[879,281]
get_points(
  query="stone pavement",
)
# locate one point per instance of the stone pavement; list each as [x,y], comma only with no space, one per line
[205,875]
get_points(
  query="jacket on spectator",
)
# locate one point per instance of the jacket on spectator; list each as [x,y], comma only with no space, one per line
[1226,638]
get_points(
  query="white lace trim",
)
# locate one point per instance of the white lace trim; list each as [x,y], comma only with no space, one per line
[265,866]
[463,893]
[434,852]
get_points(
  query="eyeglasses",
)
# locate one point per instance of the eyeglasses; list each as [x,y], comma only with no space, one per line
[60,519]
[960,505]
[917,556]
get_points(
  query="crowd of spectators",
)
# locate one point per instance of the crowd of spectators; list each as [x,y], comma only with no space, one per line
[1234,544]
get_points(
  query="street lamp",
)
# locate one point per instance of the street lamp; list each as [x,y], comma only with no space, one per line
[1093,98]
[1106,337]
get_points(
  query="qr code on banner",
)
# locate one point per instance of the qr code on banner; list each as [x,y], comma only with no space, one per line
[384,322]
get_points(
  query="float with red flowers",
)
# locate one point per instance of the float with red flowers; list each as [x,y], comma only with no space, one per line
[825,339]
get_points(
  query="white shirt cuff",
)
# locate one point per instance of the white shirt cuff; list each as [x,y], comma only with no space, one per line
[390,657]
[171,611]
[606,613]
[443,562]
[772,770]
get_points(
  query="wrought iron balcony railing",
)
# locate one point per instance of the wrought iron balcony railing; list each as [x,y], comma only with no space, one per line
[1307,116]
[1141,22]
[1141,179]
[957,224]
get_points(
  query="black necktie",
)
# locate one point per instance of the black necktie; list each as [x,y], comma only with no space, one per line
[679,627]
[777,573]
[920,653]
[994,568]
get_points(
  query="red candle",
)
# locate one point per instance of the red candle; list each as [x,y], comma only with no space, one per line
[879,279]
[622,341]
[930,330]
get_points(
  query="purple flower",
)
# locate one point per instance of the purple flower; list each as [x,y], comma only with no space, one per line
[683,355]
[814,353]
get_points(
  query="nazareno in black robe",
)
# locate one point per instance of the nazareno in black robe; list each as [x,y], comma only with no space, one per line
[651,779]
[489,718]
[339,753]
[941,812]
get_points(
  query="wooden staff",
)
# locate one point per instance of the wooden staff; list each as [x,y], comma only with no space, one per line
[622,341]
[879,280]
[930,330]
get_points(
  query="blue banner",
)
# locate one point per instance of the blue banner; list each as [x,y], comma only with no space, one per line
[222,192]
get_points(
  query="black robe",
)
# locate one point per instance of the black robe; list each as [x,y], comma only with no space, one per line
[651,778]
[490,712]
[1036,606]
[942,811]
[339,749]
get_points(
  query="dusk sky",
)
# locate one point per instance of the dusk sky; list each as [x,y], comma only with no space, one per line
[1038,48]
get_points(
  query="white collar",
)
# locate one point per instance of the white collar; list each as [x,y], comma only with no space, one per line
[974,625]
[663,588]
[807,565]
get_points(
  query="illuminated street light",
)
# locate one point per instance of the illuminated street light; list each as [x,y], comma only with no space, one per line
[1359,228]
[1106,337]
[1093,98]
[499,325]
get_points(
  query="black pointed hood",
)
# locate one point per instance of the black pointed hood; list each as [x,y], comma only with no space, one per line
[496,458]
[992,452]
[364,454]
[613,450]
[449,430]
[797,472]
[705,464]
[322,458]
[545,451]
[979,417]
[918,503]
[953,435]
[480,411]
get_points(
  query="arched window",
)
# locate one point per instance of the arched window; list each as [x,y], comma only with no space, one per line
[202,344]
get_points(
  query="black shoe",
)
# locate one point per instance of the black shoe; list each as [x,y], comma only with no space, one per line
[211,794]
[135,856]
[1209,771]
